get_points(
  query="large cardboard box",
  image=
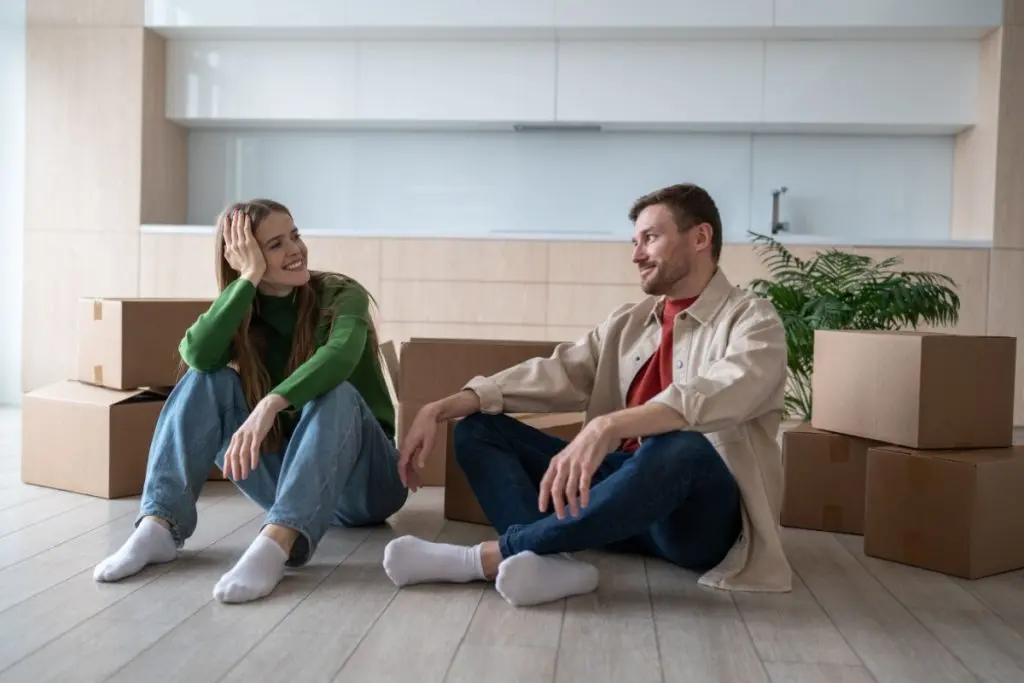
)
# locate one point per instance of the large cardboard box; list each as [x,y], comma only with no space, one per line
[956,512]
[460,503]
[431,369]
[915,389]
[88,439]
[131,343]
[824,480]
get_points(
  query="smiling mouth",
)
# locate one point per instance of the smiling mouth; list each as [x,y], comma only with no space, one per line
[296,265]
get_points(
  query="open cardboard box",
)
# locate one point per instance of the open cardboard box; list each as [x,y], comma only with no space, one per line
[88,439]
[460,503]
[430,369]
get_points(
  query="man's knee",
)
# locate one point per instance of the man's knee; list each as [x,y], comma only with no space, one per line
[681,450]
[467,435]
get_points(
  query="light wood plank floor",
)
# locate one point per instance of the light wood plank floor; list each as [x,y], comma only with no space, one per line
[850,619]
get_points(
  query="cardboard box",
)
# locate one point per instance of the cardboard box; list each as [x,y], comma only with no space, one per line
[427,373]
[131,343]
[88,439]
[956,512]
[824,480]
[460,503]
[389,359]
[915,389]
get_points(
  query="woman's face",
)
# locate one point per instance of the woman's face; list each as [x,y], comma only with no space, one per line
[284,251]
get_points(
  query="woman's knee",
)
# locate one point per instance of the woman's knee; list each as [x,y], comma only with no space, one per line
[342,396]
[225,376]
[222,387]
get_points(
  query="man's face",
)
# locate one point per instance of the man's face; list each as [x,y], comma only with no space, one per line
[661,251]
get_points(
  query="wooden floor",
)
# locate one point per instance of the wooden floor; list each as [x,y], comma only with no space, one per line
[850,619]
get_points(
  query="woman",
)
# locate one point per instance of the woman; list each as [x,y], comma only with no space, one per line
[284,391]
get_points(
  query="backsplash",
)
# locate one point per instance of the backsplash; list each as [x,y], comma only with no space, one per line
[574,185]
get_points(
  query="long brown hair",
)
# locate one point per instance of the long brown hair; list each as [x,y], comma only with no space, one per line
[248,345]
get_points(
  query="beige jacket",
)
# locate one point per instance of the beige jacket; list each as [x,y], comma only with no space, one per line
[729,354]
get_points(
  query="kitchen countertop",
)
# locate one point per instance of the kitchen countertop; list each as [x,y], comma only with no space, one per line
[785,239]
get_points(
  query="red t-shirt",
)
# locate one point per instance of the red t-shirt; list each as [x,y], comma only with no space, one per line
[656,374]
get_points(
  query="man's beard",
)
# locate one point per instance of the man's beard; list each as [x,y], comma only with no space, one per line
[663,280]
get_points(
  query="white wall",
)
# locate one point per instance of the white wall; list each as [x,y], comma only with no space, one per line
[12,193]
[576,185]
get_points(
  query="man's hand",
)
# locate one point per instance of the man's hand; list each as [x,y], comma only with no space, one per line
[570,472]
[419,441]
[417,444]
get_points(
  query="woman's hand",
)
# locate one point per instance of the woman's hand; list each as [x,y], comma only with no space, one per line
[243,454]
[416,446]
[569,473]
[241,249]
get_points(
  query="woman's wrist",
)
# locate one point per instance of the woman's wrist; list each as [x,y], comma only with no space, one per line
[253,275]
[274,403]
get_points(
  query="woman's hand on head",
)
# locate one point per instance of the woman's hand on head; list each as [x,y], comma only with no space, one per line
[243,454]
[241,249]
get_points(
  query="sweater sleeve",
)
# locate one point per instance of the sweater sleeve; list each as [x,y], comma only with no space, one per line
[206,345]
[332,363]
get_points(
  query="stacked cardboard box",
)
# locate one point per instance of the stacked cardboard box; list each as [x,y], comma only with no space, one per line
[911,444]
[91,433]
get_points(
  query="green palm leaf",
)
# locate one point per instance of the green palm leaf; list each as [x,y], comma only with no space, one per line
[837,290]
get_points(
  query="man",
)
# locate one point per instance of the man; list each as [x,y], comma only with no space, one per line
[678,459]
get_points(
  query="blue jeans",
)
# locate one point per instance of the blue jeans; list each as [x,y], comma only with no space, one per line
[674,498]
[338,466]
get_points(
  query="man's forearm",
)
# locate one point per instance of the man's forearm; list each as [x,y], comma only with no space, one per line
[458,405]
[646,420]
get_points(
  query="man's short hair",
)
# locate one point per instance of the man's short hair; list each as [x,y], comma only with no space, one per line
[690,205]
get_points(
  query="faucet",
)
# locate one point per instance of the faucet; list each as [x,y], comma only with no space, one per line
[777,225]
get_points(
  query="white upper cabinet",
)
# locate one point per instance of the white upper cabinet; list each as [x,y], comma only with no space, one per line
[677,64]
[660,82]
[902,86]
[301,81]
[456,81]
[912,83]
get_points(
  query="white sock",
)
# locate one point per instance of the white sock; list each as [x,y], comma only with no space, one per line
[531,579]
[409,560]
[150,543]
[255,574]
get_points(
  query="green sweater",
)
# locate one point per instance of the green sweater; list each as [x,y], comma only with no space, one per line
[343,352]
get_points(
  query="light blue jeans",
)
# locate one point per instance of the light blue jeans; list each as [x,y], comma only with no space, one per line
[338,467]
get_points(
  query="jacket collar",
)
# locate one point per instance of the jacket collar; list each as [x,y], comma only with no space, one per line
[707,304]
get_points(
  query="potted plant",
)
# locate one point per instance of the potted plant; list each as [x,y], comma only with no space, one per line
[837,290]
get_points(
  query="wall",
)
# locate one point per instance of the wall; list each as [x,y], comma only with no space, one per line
[12,193]
[100,159]
[565,185]
[122,235]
